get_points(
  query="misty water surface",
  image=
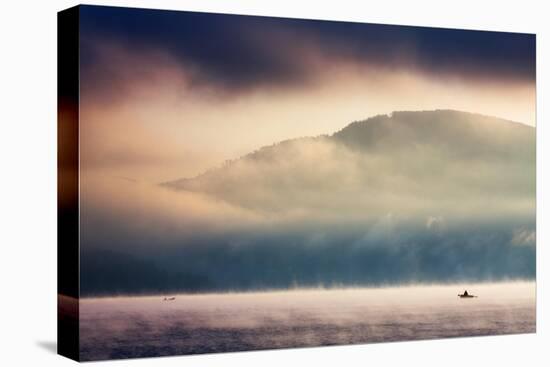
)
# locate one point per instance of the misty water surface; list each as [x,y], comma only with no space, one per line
[122,327]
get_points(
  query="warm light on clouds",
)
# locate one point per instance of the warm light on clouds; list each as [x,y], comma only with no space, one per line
[161,126]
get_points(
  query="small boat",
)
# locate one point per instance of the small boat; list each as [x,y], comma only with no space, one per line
[169,298]
[466,295]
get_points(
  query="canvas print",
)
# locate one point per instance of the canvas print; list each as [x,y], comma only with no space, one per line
[235,183]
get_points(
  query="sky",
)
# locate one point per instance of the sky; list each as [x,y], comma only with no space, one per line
[185,78]
[189,180]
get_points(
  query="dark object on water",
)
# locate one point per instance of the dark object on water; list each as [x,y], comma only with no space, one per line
[169,299]
[466,295]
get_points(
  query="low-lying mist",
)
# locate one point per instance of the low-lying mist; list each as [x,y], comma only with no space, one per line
[422,197]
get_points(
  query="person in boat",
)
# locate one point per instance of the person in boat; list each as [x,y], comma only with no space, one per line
[465,293]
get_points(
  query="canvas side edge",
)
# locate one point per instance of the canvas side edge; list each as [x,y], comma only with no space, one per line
[68,183]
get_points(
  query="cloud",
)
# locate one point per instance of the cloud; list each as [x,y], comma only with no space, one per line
[241,52]
[187,85]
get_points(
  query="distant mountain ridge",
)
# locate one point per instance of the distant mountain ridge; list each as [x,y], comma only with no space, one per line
[402,157]
[420,126]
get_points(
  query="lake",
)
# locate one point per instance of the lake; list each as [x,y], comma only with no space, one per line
[131,327]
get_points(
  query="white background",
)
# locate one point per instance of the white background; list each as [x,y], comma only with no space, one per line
[28,183]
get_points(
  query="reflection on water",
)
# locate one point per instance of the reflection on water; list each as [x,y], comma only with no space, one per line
[124,327]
